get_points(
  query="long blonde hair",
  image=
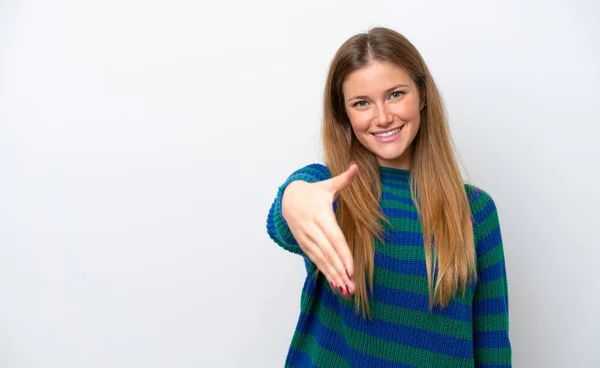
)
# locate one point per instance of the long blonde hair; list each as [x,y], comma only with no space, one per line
[436,184]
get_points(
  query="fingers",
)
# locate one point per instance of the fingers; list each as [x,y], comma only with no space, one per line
[337,183]
[336,238]
[324,255]
[337,261]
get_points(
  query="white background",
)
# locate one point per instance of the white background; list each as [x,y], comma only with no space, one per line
[142,142]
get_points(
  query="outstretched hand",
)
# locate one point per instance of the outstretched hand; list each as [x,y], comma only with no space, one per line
[308,210]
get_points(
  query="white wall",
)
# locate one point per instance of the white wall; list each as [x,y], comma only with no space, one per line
[142,142]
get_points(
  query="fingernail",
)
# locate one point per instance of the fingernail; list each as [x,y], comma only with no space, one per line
[342,291]
[332,284]
[347,289]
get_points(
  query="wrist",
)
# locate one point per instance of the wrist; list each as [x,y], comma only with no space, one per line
[288,193]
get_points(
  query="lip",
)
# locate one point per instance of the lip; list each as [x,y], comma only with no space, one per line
[387,130]
[391,138]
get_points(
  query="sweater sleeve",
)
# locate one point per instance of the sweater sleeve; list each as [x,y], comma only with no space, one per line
[491,340]
[277,227]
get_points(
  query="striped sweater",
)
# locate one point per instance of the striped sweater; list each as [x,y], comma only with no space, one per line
[471,332]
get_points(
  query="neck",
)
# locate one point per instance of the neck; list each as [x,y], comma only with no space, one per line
[393,173]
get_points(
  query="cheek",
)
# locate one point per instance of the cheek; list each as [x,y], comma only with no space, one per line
[360,121]
[408,110]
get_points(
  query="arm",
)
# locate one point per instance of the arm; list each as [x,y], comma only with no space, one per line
[277,227]
[491,340]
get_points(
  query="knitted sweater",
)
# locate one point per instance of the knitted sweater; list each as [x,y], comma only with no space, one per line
[471,331]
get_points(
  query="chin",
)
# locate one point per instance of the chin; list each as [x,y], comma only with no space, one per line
[390,156]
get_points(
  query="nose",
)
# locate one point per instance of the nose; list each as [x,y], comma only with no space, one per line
[384,117]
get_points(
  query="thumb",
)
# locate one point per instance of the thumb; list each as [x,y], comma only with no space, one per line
[344,179]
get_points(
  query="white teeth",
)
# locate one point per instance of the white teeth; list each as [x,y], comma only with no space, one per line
[388,134]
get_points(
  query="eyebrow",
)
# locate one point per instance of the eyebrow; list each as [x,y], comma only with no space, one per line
[386,91]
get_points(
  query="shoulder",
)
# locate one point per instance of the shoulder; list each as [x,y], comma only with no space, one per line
[475,193]
[486,223]
[481,202]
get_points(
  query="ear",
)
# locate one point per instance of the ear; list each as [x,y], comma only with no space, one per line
[423,105]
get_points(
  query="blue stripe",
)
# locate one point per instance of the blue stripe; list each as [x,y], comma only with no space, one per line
[385,195]
[272,228]
[490,340]
[405,186]
[396,333]
[489,307]
[473,193]
[492,273]
[270,222]
[490,241]
[485,212]
[290,240]
[322,169]
[299,359]
[393,297]
[393,174]
[308,176]
[420,302]
[386,173]
[401,266]
[404,238]
[400,213]
[336,343]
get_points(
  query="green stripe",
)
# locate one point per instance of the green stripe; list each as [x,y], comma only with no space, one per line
[492,289]
[397,192]
[319,356]
[493,322]
[379,348]
[491,257]
[317,174]
[480,202]
[390,203]
[391,180]
[488,225]
[401,251]
[421,320]
[490,356]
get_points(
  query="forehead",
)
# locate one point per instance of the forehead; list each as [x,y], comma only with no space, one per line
[376,77]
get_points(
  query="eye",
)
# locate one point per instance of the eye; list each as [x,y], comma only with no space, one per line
[358,104]
[396,94]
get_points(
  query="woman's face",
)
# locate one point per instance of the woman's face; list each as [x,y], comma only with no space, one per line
[384,106]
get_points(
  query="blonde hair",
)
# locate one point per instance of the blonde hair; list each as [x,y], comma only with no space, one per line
[436,184]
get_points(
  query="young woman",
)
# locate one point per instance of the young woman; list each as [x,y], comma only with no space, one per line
[405,262]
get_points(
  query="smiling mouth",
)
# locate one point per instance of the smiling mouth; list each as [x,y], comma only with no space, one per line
[388,133]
